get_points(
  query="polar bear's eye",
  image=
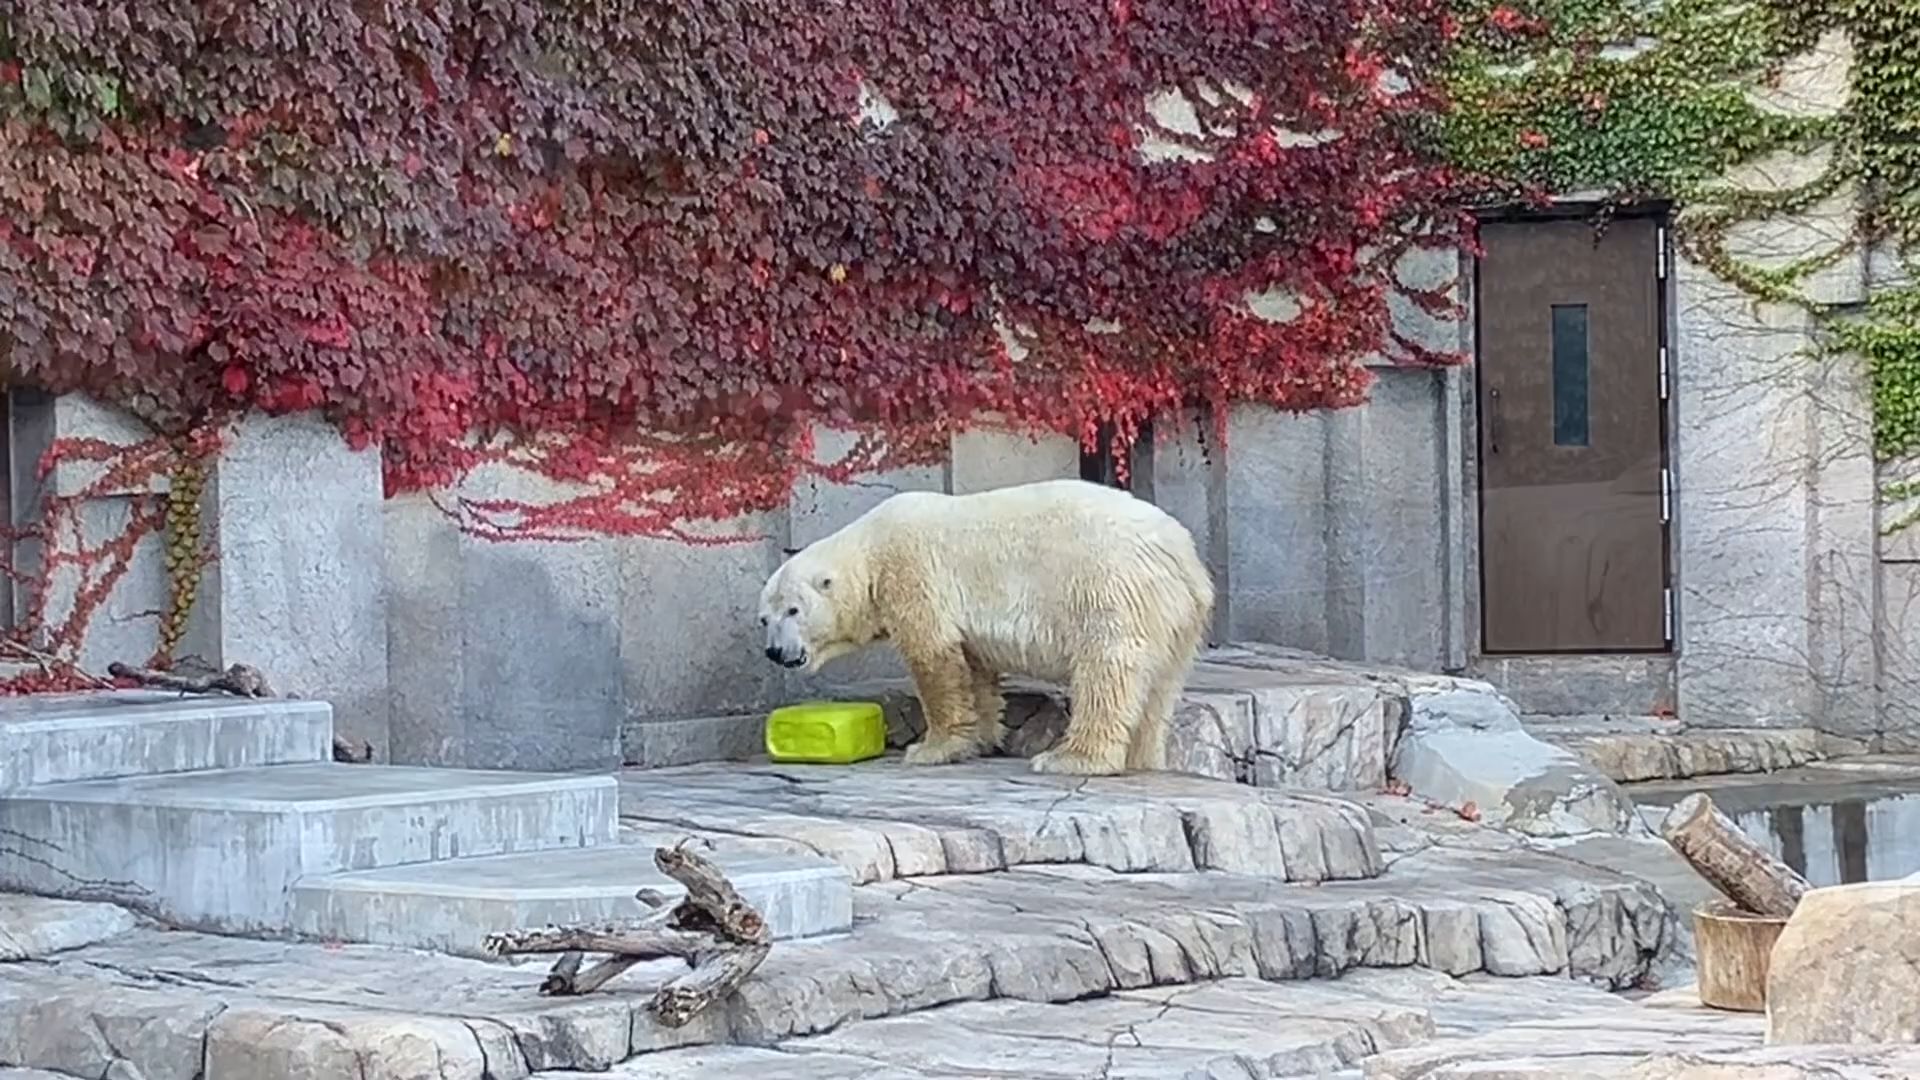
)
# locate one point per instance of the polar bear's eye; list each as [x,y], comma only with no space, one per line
[792,611]
[826,583]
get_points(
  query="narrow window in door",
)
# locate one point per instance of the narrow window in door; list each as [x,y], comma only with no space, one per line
[1570,374]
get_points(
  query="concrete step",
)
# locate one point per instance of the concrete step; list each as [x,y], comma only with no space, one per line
[60,738]
[221,850]
[451,906]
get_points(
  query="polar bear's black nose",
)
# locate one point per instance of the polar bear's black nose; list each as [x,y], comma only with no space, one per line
[786,659]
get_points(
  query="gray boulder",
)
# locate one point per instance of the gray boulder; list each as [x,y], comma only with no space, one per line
[1464,744]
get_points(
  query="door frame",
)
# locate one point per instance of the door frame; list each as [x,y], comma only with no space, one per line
[1661,213]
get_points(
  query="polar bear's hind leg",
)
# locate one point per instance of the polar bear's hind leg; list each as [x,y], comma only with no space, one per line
[1107,696]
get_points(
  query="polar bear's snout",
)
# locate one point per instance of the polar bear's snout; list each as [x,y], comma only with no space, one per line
[784,643]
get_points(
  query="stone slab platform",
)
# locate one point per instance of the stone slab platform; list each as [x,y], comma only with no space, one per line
[1241,1028]
[60,738]
[1632,749]
[451,906]
[1574,1047]
[221,850]
[1668,1036]
[883,819]
[1254,714]
[164,1002]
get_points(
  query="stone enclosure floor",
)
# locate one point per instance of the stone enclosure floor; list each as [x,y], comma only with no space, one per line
[1354,880]
[1006,925]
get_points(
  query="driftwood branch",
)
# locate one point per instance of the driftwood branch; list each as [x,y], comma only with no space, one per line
[720,935]
[1731,861]
[624,938]
[17,651]
[240,680]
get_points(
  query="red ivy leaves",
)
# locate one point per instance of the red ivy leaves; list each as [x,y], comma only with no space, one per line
[501,220]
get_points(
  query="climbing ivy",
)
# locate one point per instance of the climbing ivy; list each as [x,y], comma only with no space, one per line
[1614,96]
[1886,106]
[1627,101]
[643,248]
[656,243]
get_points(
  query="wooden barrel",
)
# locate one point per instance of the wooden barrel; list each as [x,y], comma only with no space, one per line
[1733,947]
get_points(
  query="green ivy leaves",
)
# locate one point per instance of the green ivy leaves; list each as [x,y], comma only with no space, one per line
[1629,99]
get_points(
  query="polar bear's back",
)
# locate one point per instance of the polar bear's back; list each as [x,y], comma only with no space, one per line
[1036,574]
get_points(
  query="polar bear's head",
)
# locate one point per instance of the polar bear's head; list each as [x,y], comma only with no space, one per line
[815,608]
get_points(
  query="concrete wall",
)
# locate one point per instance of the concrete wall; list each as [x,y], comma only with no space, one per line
[126,626]
[1774,466]
[296,587]
[293,521]
[535,654]
[1326,531]
[591,653]
[1897,620]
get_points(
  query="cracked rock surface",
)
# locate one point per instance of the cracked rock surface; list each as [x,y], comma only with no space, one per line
[1584,1044]
[1234,1028]
[32,927]
[1229,1028]
[1784,1063]
[1273,717]
[1668,1036]
[1254,714]
[152,1004]
[1628,749]
[883,820]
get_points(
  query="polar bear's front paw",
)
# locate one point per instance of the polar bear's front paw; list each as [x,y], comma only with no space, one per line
[941,751]
[1063,762]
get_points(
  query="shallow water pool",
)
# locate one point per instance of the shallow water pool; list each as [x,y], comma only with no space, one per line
[1836,822]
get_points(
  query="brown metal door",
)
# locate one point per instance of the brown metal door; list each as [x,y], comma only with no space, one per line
[1573,536]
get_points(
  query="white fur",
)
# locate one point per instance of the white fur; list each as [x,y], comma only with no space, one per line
[1061,580]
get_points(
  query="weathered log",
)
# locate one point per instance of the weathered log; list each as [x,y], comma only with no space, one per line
[627,939]
[573,981]
[713,977]
[240,680]
[1732,862]
[713,928]
[712,904]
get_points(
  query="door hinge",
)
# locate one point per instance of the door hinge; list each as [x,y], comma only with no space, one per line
[1666,612]
[1666,495]
[1660,253]
[1663,373]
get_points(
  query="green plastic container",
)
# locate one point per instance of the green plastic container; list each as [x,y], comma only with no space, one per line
[827,732]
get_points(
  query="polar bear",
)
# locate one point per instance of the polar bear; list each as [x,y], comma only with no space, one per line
[1061,580]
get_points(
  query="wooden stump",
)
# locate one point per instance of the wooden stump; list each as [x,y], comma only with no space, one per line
[1733,948]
